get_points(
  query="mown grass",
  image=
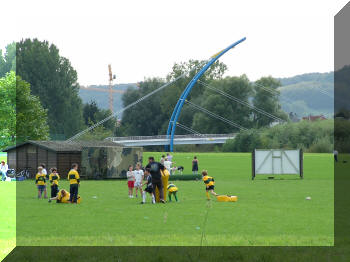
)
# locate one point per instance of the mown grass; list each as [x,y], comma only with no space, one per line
[3,157]
[268,212]
[7,218]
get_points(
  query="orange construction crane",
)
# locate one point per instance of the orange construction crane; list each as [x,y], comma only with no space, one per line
[111,77]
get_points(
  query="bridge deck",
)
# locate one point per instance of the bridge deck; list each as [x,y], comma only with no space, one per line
[178,139]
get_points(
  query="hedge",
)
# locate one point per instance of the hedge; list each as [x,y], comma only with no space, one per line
[185,177]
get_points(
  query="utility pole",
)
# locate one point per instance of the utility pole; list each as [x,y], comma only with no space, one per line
[111,77]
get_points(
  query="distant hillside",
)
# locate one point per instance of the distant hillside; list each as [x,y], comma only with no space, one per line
[310,77]
[308,94]
[302,94]
[101,98]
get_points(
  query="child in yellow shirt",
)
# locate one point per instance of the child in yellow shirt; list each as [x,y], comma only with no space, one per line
[209,184]
[53,178]
[40,182]
[74,181]
[172,190]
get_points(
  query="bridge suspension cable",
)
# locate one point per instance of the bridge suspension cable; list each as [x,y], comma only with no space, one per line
[188,129]
[215,115]
[128,106]
[259,110]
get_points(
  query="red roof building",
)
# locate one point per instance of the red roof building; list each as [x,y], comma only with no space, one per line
[314,118]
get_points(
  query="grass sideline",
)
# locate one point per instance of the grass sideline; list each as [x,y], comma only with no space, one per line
[3,156]
[7,218]
[268,213]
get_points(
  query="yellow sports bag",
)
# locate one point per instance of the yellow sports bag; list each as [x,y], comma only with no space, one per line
[225,198]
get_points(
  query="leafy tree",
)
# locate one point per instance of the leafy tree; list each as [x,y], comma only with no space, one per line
[8,59]
[8,110]
[98,133]
[54,81]
[342,135]
[145,118]
[238,87]
[89,113]
[267,101]
[21,114]
[244,142]
[93,114]
[151,117]
[171,95]
[310,136]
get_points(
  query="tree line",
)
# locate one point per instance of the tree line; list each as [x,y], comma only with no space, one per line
[44,94]
[39,96]
[314,137]
[213,92]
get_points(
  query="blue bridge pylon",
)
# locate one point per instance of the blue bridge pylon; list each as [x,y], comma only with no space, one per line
[177,110]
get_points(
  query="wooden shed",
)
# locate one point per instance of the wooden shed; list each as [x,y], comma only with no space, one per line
[102,157]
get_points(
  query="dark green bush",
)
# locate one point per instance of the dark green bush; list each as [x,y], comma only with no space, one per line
[185,177]
[310,136]
[322,145]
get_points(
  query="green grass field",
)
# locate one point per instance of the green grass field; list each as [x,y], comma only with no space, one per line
[7,218]
[7,215]
[3,156]
[268,212]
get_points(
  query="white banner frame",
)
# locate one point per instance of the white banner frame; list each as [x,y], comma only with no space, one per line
[277,162]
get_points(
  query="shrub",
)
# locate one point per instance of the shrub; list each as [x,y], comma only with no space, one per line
[185,177]
[310,136]
[321,145]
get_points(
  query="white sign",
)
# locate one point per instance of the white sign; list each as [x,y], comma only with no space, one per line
[277,162]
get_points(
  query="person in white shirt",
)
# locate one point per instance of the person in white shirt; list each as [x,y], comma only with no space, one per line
[44,170]
[138,174]
[162,159]
[170,157]
[131,180]
[3,170]
[168,164]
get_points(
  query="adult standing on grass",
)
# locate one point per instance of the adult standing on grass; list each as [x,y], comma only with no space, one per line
[335,152]
[168,164]
[195,165]
[3,170]
[155,168]
[74,181]
[169,157]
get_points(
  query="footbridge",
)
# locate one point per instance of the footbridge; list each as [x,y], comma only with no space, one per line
[178,139]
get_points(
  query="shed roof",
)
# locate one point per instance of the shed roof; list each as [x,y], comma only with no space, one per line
[63,146]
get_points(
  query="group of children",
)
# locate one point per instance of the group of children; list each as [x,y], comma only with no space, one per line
[139,177]
[61,196]
[136,179]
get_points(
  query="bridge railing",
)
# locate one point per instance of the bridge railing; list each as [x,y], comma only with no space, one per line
[162,137]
